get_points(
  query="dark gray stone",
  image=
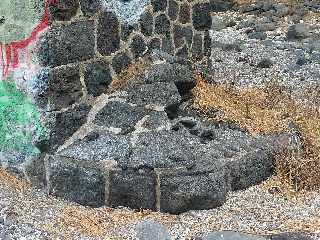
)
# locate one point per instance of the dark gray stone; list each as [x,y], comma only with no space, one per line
[173,10]
[184,13]
[207,44]
[138,46]
[119,115]
[162,25]
[64,87]
[63,124]
[120,62]
[146,23]
[201,191]
[182,35]
[97,77]
[167,45]
[181,75]
[74,181]
[90,7]
[154,43]
[182,52]
[165,149]
[221,5]
[99,146]
[257,35]
[108,40]
[265,63]
[197,47]
[228,235]
[64,10]
[251,169]
[67,44]
[201,16]
[126,31]
[298,31]
[160,94]
[151,230]
[133,188]
[159,5]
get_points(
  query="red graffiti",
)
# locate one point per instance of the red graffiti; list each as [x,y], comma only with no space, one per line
[9,58]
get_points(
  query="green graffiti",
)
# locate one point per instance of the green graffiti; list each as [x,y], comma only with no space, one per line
[19,121]
[18,18]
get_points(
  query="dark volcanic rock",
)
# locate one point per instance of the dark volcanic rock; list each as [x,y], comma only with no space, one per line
[84,184]
[99,146]
[298,31]
[64,10]
[67,44]
[146,24]
[120,62]
[90,7]
[173,10]
[108,33]
[159,94]
[119,115]
[64,124]
[97,77]
[162,25]
[138,46]
[201,16]
[159,5]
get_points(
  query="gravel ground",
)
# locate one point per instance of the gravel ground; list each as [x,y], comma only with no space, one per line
[30,213]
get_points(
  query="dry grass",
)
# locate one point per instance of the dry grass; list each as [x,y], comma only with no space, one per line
[13,181]
[130,75]
[270,110]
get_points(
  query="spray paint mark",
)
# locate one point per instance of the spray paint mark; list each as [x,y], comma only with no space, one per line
[9,52]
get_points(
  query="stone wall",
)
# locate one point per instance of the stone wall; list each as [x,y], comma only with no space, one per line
[90,42]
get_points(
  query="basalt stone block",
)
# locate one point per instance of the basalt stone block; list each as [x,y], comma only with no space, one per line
[90,7]
[64,87]
[146,23]
[99,146]
[75,181]
[119,115]
[61,45]
[97,77]
[207,44]
[180,74]
[120,62]
[126,31]
[251,169]
[159,94]
[221,5]
[182,35]
[108,40]
[173,10]
[181,192]
[197,47]
[182,52]
[133,188]
[167,44]
[149,229]
[162,25]
[64,124]
[159,5]
[154,43]
[138,46]
[201,16]
[184,14]
[164,149]
[64,10]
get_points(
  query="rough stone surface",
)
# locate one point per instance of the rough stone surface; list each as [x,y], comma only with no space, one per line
[67,44]
[97,77]
[108,33]
[120,62]
[148,229]
[82,184]
[64,10]
[138,46]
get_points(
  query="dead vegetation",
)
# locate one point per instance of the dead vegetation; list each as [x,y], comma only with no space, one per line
[269,110]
